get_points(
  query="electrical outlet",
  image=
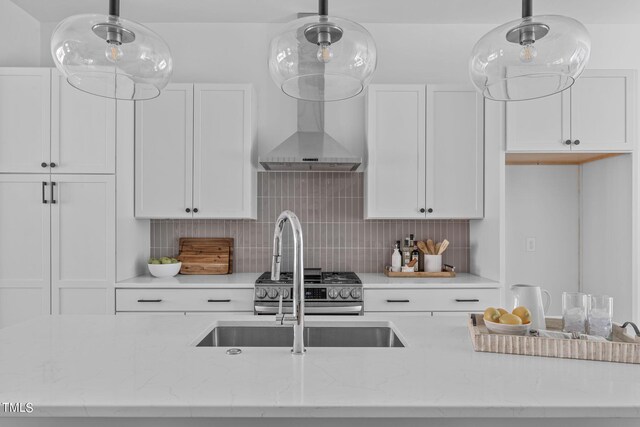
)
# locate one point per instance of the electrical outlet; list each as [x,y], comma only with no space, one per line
[530,244]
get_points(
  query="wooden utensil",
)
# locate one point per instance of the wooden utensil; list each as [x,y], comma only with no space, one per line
[432,247]
[438,247]
[423,247]
[443,246]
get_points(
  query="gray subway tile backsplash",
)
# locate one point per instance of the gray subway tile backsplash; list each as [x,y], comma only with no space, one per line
[330,208]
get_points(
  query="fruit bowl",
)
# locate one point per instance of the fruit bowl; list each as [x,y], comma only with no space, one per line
[504,329]
[164,270]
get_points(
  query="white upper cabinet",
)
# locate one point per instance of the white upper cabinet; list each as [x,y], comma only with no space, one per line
[24,247]
[455,152]
[195,151]
[603,110]
[395,173]
[25,119]
[596,114]
[224,177]
[83,233]
[425,152]
[83,130]
[164,154]
[541,124]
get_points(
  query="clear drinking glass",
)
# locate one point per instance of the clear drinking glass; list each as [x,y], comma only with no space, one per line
[574,312]
[600,315]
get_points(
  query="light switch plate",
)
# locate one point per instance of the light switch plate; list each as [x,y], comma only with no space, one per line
[530,244]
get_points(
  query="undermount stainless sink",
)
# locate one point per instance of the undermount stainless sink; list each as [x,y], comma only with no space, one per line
[314,336]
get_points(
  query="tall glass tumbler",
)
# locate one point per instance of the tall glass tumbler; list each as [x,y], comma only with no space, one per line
[574,312]
[600,316]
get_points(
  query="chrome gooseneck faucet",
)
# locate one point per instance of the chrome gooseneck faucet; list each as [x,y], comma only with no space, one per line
[297,316]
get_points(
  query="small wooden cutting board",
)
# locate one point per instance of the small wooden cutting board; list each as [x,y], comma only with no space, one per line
[206,255]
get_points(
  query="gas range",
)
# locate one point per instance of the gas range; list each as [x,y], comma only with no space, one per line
[338,293]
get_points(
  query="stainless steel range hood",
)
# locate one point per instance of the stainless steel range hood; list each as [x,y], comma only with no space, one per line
[310,148]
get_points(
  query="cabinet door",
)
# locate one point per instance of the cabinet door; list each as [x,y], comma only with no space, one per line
[603,110]
[455,152]
[83,129]
[164,154]
[224,177]
[83,244]
[395,174]
[539,124]
[25,119]
[24,247]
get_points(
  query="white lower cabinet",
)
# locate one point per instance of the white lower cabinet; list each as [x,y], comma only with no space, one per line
[25,261]
[430,300]
[83,241]
[184,300]
[57,245]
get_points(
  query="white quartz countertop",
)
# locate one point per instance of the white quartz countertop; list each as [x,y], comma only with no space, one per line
[147,366]
[246,280]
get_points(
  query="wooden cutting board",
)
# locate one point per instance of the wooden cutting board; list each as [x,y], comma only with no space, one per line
[206,255]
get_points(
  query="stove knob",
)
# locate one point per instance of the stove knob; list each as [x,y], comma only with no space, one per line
[261,293]
[285,293]
[333,293]
[344,293]
[273,293]
[356,293]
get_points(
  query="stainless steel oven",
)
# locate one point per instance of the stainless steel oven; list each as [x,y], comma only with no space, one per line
[326,293]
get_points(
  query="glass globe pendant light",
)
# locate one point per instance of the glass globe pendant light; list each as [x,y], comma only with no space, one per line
[532,57]
[322,58]
[110,56]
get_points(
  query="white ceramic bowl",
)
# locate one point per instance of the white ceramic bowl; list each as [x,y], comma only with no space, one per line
[501,328]
[164,270]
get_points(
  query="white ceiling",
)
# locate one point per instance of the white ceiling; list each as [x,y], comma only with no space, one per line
[392,11]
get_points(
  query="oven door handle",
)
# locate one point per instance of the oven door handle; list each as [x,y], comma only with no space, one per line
[313,310]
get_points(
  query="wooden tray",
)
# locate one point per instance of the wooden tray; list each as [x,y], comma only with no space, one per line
[623,348]
[206,255]
[419,274]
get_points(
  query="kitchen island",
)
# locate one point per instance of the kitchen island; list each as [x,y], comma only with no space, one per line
[146,370]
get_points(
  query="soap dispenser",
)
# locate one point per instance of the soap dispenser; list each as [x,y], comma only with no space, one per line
[396,258]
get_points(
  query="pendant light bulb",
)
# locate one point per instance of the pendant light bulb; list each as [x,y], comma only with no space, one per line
[528,53]
[113,53]
[325,53]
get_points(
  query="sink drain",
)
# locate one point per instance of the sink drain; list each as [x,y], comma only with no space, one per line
[234,351]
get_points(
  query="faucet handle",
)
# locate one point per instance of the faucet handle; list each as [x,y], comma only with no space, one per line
[280,315]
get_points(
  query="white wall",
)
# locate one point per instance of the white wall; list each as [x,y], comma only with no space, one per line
[543,202]
[606,231]
[21,33]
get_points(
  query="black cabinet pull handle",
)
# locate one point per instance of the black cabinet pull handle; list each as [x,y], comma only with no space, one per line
[149,300]
[195,210]
[53,201]
[567,142]
[398,300]
[467,300]
[422,210]
[43,164]
[430,210]
[187,210]
[218,300]
[53,165]
[44,200]
[576,142]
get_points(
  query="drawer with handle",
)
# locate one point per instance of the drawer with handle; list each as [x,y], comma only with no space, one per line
[430,299]
[184,300]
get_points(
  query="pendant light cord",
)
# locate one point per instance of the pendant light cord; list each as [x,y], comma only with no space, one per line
[527,8]
[114,7]
[323,7]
